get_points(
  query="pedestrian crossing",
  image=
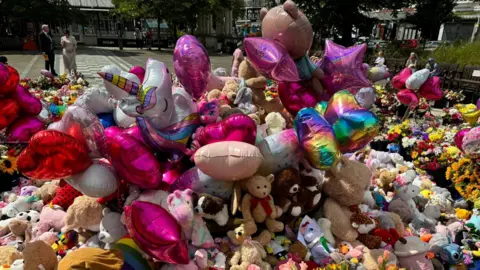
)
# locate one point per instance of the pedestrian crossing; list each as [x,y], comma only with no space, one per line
[91,62]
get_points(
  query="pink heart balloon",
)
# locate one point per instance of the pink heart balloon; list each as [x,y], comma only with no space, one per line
[156,232]
[399,81]
[237,127]
[4,74]
[134,162]
[24,128]
[296,96]
[28,103]
[458,139]
[111,132]
[271,59]
[431,89]
[407,97]
[192,65]
[136,133]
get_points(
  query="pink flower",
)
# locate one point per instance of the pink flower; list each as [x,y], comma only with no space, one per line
[253,267]
[290,265]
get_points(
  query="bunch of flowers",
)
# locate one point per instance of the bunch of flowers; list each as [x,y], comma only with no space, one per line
[382,262]
[386,101]
[425,155]
[454,96]
[465,176]
[452,116]
[397,132]
[271,90]
[450,155]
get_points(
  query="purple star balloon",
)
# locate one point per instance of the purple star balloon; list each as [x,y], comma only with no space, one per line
[343,68]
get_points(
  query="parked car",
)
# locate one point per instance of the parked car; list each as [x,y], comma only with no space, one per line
[434,44]
[410,44]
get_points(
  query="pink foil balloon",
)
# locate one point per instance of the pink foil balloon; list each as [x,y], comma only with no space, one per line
[156,232]
[111,132]
[85,127]
[134,162]
[24,128]
[343,68]
[237,127]
[296,96]
[192,65]
[271,59]
[458,139]
[4,74]
[401,78]
[431,89]
[139,72]
[136,133]
[29,104]
[407,97]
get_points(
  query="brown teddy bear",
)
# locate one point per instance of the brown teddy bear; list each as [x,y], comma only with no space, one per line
[239,235]
[258,205]
[46,193]
[258,83]
[344,185]
[385,180]
[84,214]
[364,225]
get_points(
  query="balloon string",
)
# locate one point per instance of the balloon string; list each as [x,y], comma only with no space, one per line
[407,113]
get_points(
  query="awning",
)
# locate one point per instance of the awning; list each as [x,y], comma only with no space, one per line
[95,9]
[468,15]
[153,23]
[93,4]
[387,14]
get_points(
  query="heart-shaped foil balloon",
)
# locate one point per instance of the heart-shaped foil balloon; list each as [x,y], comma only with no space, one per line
[296,96]
[407,97]
[316,137]
[30,104]
[9,110]
[156,232]
[400,80]
[85,127]
[237,127]
[24,128]
[12,81]
[431,89]
[52,154]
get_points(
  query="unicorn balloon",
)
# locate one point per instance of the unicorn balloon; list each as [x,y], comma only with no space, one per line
[167,117]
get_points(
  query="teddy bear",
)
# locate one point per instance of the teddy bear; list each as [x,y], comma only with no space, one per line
[50,218]
[291,28]
[244,99]
[36,255]
[21,229]
[364,225]
[46,192]
[181,206]
[389,237]
[8,254]
[111,229]
[84,214]
[258,205]
[403,204]
[211,207]
[285,188]
[344,185]
[257,83]
[239,235]
[31,216]
[250,253]
[275,123]
[385,180]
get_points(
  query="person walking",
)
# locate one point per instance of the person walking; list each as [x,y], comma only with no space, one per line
[237,58]
[69,45]
[412,62]
[139,38]
[149,36]
[48,49]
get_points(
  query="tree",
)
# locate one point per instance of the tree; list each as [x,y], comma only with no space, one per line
[339,17]
[430,15]
[37,10]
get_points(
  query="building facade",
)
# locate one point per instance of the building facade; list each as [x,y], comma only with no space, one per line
[468,11]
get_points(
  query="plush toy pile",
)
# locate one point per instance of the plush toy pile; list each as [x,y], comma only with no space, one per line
[286,166]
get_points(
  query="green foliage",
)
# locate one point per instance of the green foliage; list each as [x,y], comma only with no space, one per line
[430,15]
[338,17]
[38,10]
[463,53]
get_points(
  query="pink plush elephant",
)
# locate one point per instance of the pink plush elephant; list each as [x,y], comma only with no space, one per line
[291,28]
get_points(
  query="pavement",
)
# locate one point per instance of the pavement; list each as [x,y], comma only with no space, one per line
[91,59]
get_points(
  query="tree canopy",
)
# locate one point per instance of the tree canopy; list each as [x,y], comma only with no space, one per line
[430,15]
[38,10]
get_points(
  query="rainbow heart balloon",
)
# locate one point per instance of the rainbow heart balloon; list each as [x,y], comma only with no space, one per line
[329,129]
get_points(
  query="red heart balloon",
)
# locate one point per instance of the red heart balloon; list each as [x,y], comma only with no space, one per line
[399,81]
[407,97]
[9,110]
[11,84]
[52,155]
[237,127]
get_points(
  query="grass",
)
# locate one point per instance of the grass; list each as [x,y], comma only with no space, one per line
[463,53]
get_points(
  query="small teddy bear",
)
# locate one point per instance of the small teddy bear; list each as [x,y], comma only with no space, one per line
[275,123]
[111,228]
[239,235]
[250,253]
[84,214]
[258,205]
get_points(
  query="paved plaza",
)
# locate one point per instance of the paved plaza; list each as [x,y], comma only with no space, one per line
[91,59]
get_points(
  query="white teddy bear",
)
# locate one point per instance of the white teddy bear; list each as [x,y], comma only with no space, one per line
[111,229]
[22,204]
